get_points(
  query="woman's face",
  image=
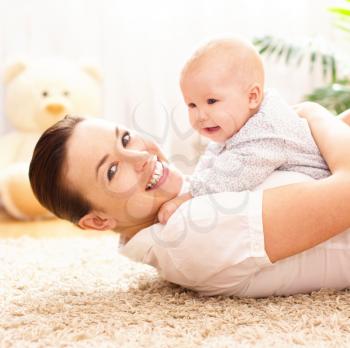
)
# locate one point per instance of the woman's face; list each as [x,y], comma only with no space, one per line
[124,175]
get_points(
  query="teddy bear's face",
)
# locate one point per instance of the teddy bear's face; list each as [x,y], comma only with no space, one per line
[41,94]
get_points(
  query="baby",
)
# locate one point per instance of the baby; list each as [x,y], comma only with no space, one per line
[252,132]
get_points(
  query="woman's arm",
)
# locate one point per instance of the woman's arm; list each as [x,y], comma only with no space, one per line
[299,216]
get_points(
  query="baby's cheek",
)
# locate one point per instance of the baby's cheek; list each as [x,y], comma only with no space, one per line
[193,117]
[226,120]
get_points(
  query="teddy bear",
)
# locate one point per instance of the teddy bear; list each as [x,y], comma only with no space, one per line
[37,94]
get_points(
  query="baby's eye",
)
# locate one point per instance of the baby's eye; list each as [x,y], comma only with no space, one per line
[66,93]
[45,93]
[211,101]
[126,138]
[191,105]
[111,171]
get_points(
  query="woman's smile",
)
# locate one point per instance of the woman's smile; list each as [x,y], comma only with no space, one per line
[159,175]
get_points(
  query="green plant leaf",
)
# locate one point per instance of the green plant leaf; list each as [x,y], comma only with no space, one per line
[344,27]
[340,11]
[333,68]
[335,97]
[342,15]
[313,56]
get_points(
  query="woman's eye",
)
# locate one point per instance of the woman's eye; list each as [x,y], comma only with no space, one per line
[126,138]
[191,105]
[111,171]
[211,101]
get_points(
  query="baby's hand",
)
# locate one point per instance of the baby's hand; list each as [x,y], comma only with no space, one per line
[169,207]
[166,210]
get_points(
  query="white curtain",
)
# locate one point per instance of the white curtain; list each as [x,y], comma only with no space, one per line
[141,45]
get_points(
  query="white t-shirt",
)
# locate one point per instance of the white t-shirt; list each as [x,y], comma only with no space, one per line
[214,244]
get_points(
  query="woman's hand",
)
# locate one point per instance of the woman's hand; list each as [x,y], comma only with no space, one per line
[305,108]
[308,110]
[330,135]
[311,110]
[345,116]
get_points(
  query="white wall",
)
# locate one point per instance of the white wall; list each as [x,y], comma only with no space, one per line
[141,45]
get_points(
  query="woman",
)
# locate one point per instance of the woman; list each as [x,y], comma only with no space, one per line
[102,177]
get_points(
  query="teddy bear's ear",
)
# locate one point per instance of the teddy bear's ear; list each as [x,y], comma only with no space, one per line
[13,70]
[93,71]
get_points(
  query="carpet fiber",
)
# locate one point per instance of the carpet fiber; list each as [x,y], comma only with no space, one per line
[78,292]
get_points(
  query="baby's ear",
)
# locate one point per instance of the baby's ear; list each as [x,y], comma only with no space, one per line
[255,96]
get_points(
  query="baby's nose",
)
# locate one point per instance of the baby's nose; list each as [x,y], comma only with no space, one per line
[202,115]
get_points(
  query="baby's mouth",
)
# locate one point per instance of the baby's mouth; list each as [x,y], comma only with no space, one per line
[212,129]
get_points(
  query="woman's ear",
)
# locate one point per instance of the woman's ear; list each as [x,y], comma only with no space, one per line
[255,96]
[97,221]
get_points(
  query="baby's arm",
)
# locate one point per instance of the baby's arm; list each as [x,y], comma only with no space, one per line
[169,207]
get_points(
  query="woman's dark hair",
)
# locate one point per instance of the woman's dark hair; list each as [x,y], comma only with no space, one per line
[46,173]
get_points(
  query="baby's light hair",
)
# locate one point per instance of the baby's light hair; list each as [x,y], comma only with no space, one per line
[237,51]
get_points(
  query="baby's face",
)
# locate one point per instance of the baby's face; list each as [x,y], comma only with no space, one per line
[218,105]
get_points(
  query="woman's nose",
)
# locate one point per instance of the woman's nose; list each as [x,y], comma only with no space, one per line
[139,159]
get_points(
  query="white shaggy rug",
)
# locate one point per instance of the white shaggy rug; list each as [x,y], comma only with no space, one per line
[78,292]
